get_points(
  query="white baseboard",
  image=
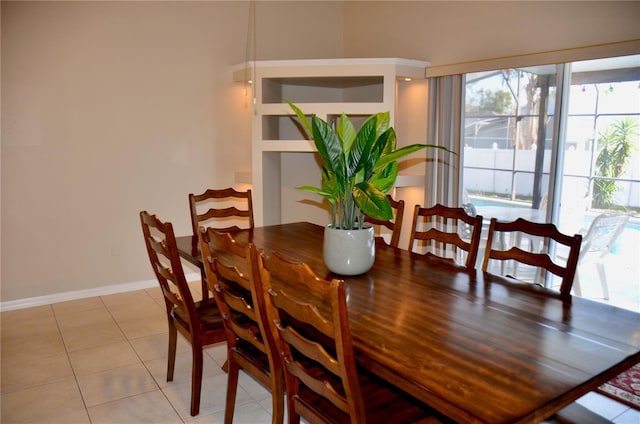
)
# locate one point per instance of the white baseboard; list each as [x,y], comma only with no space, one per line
[83,294]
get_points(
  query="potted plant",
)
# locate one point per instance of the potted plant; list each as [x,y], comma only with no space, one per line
[358,169]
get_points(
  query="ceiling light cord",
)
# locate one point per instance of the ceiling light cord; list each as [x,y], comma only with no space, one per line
[251,51]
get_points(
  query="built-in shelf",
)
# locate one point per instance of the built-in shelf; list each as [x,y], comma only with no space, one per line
[283,158]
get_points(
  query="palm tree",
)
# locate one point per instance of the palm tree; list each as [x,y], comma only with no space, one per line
[616,144]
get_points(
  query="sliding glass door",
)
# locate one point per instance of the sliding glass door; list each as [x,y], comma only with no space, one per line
[525,137]
[601,177]
[508,141]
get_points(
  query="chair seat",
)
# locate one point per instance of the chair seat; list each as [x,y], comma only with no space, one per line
[378,397]
[253,356]
[208,313]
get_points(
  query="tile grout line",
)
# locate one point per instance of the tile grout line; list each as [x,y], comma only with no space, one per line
[142,362]
[73,371]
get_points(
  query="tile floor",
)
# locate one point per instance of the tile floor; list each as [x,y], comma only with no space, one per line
[103,360]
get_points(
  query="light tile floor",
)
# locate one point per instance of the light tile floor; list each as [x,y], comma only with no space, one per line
[103,360]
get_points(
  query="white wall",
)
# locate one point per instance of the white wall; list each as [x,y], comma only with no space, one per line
[109,108]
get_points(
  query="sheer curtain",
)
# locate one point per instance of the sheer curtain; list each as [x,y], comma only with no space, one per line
[443,170]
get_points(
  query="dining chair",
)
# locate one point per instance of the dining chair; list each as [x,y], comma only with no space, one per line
[447,233]
[394,225]
[503,243]
[241,303]
[598,240]
[224,209]
[309,322]
[199,322]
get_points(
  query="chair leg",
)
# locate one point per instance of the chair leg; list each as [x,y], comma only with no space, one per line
[603,279]
[205,287]
[196,379]
[277,399]
[294,417]
[173,340]
[232,389]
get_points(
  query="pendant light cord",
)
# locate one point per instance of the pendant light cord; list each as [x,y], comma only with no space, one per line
[250,53]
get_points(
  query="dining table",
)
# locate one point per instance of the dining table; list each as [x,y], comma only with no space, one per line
[478,347]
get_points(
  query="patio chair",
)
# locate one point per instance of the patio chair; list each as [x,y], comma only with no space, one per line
[598,240]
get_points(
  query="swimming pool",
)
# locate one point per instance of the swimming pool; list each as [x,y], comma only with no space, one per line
[629,240]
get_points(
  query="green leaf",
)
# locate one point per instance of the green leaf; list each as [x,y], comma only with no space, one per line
[346,133]
[385,179]
[330,185]
[372,201]
[302,117]
[329,148]
[386,159]
[316,190]
[361,147]
[383,121]
[387,138]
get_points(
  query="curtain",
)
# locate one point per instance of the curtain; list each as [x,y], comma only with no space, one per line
[444,114]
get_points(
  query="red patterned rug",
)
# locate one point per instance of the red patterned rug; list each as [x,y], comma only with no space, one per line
[625,387]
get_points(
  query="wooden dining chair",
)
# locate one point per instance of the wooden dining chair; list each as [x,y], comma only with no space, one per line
[309,322]
[446,232]
[225,209]
[241,303]
[503,243]
[394,225]
[199,322]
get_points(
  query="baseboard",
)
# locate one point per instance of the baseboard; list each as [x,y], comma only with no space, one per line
[83,294]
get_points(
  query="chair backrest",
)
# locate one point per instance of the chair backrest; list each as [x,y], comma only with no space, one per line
[446,232]
[240,300]
[603,233]
[395,225]
[219,208]
[501,248]
[165,261]
[308,317]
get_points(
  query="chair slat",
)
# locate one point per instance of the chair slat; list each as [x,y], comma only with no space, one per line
[498,231]
[219,215]
[444,228]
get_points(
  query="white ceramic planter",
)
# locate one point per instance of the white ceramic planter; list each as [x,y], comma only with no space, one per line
[349,252]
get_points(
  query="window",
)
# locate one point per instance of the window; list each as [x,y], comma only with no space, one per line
[523,143]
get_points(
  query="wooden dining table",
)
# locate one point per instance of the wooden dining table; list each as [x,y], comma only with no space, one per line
[478,348]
